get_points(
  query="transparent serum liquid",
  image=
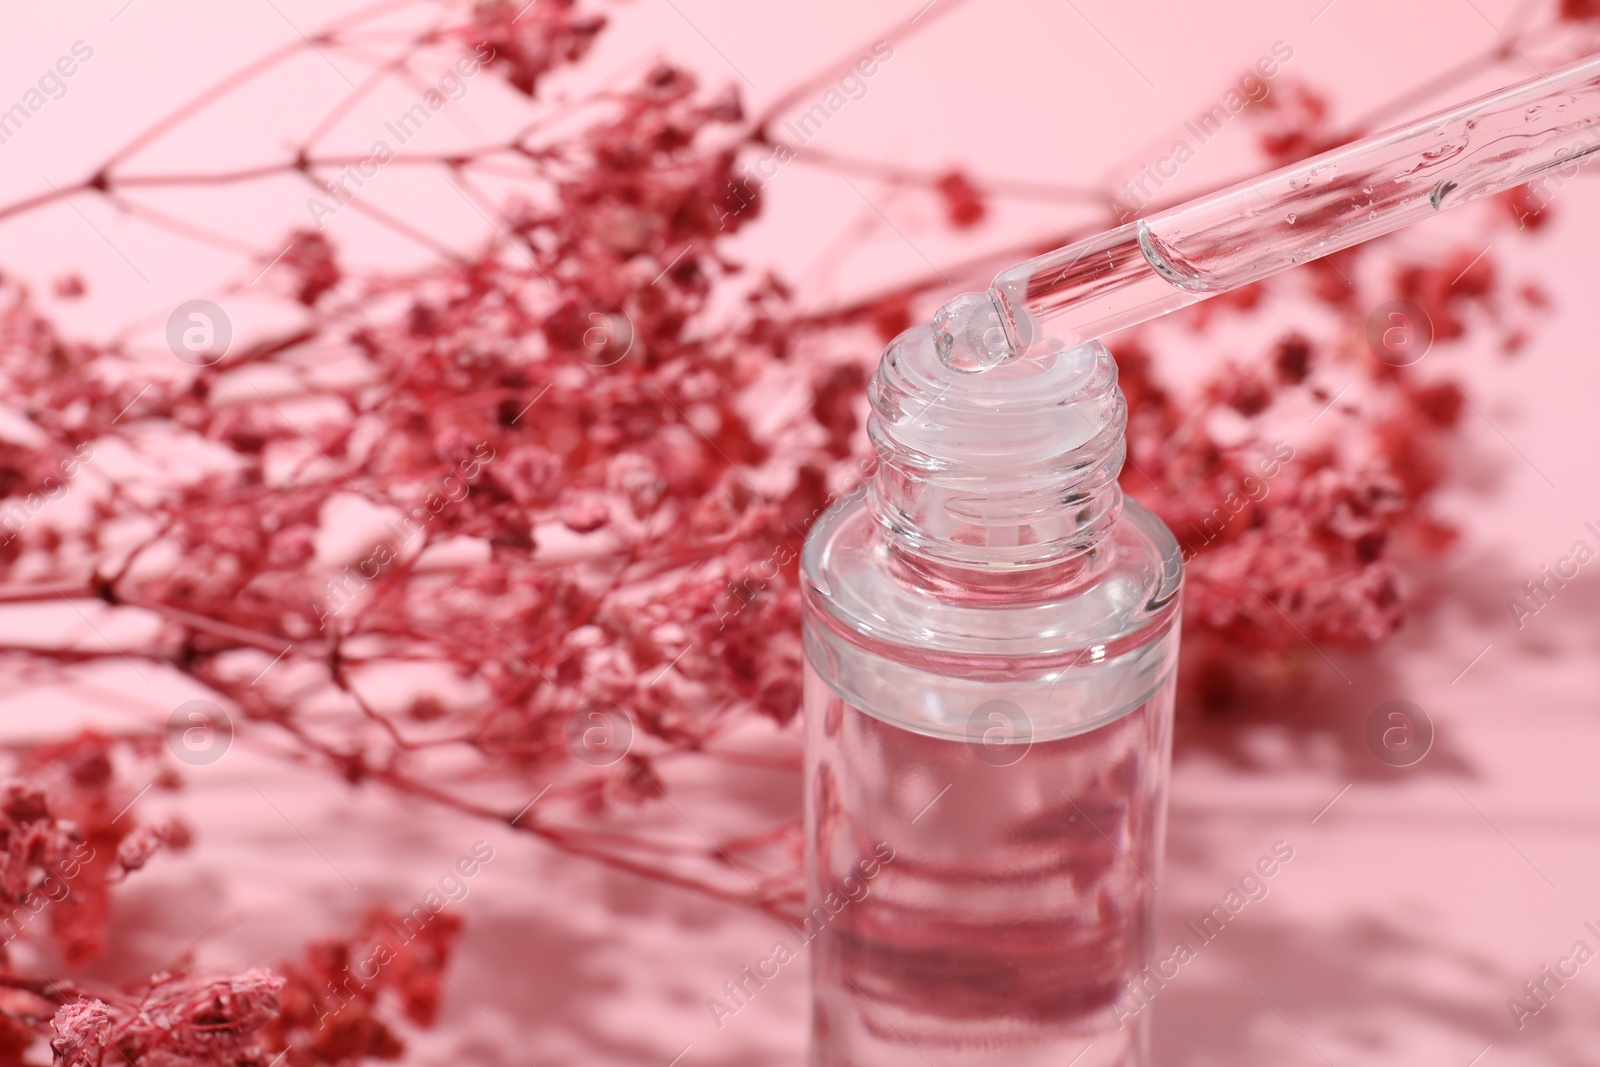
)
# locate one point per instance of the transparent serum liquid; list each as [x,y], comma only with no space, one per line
[1018,901]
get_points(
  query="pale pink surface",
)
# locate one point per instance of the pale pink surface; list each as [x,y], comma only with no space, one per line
[1414,906]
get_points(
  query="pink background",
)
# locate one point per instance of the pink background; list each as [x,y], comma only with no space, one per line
[1414,906]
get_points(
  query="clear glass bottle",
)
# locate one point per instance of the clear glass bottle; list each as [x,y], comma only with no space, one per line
[991,633]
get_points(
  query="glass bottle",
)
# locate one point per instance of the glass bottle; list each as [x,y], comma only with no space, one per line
[991,632]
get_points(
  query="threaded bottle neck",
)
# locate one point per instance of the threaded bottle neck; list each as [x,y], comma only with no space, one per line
[1011,469]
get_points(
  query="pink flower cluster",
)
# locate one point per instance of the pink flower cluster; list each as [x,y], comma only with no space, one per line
[664,424]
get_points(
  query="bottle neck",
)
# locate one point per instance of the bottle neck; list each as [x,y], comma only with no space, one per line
[1002,478]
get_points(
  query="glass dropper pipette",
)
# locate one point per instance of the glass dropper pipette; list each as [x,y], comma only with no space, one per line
[1227,239]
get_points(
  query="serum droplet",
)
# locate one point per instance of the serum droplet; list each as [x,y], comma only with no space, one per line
[968,336]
